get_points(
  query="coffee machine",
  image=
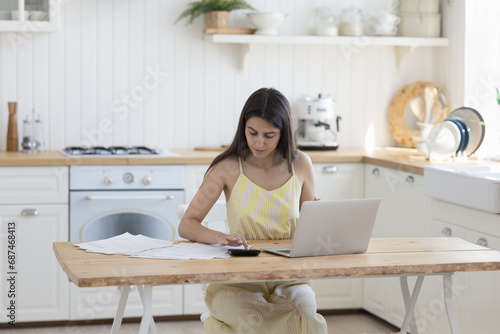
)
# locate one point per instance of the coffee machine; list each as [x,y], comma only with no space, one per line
[318,124]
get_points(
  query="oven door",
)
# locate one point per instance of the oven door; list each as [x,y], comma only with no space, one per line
[96,215]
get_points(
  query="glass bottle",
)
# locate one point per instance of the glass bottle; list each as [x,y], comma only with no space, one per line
[351,22]
[38,135]
[28,143]
[324,23]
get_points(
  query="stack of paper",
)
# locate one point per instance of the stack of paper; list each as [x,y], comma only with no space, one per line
[125,244]
[146,247]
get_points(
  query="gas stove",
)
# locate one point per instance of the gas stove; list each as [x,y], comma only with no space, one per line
[116,151]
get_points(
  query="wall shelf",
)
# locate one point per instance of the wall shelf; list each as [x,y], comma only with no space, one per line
[404,45]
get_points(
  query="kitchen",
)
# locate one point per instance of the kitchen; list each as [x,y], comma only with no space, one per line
[122,73]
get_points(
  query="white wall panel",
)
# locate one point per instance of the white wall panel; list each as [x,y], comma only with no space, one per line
[92,81]
[88,65]
[122,105]
[72,59]
[55,118]
[104,126]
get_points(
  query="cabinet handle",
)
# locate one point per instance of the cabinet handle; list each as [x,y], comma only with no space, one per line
[29,212]
[410,179]
[376,171]
[482,242]
[330,169]
[447,231]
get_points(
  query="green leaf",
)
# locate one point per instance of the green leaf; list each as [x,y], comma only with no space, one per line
[197,8]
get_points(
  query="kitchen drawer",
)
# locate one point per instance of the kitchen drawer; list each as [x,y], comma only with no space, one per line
[38,185]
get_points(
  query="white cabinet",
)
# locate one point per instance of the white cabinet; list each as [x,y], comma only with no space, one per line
[477,294]
[40,286]
[403,212]
[338,181]
[29,16]
[403,207]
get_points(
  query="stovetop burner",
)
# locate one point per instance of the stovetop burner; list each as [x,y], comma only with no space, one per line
[111,150]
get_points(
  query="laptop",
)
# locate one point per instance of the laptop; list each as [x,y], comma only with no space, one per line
[332,228]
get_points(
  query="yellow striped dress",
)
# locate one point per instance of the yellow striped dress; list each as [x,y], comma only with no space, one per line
[274,307]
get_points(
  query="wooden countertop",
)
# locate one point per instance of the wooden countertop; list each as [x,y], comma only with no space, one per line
[407,160]
[395,256]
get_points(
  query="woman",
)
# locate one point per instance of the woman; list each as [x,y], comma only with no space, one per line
[265,181]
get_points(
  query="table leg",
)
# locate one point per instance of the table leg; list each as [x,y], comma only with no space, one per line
[117,322]
[448,300]
[410,302]
[146,293]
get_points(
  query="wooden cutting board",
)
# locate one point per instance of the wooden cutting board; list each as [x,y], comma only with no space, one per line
[239,31]
[212,148]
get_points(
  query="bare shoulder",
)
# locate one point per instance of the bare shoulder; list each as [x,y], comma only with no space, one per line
[226,170]
[302,164]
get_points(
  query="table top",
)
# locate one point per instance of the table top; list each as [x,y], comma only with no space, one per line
[392,256]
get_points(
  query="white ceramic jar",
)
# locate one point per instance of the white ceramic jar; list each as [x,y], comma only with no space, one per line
[351,22]
[420,25]
[419,6]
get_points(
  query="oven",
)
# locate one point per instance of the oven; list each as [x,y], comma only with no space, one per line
[106,201]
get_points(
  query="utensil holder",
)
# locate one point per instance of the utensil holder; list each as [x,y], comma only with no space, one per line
[12,134]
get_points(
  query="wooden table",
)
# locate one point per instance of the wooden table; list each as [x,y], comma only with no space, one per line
[402,257]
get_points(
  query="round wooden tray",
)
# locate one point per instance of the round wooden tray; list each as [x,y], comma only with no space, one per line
[398,106]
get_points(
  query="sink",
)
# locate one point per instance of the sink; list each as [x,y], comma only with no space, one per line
[474,186]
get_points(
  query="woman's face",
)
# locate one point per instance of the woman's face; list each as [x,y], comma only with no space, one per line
[262,137]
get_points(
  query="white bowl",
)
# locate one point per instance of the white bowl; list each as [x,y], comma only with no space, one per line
[266,23]
[38,15]
[15,15]
[443,141]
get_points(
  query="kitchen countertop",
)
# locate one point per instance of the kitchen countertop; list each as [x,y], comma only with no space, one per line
[407,160]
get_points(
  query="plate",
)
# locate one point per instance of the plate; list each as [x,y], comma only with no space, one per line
[474,121]
[464,134]
[443,141]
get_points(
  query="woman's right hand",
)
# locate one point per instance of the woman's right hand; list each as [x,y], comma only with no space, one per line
[231,240]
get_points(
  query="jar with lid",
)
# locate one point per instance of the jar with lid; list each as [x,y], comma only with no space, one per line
[351,22]
[324,22]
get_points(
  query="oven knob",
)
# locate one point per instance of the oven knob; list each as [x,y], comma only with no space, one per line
[108,180]
[147,180]
[128,178]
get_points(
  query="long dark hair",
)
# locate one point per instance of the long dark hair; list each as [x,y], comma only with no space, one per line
[272,106]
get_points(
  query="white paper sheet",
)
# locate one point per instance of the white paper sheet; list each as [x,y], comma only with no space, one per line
[125,244]
[146,247]
[184,251]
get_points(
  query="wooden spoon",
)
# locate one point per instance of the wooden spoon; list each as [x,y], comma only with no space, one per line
[430,98]
[417,107]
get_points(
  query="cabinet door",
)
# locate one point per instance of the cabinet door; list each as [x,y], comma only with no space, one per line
[477,294]
[402,213]
[403,206]
[338,181]
[43,185]
[41,287]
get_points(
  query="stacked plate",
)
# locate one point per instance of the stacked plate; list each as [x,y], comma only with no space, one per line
[460,134]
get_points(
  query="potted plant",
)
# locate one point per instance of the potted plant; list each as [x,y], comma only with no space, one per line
[215,12]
